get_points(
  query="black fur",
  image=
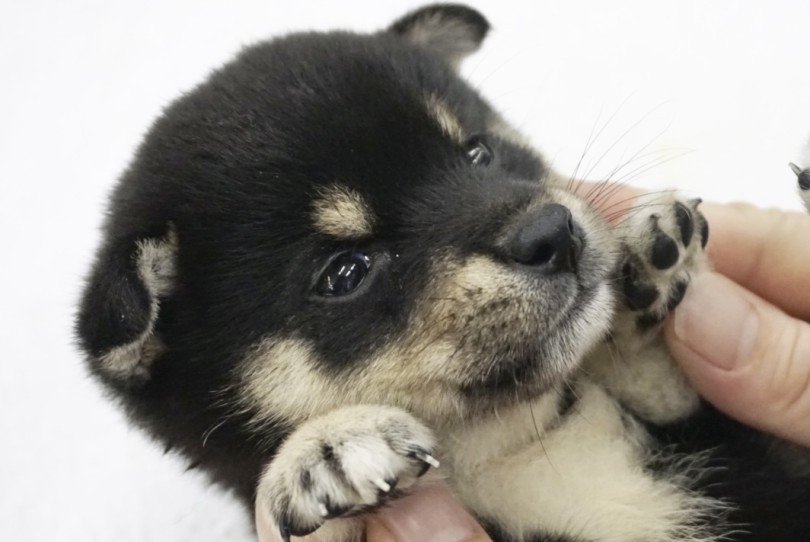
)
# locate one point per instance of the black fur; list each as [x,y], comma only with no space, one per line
[749,471]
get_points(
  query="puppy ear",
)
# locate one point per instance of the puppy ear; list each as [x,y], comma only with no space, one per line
[120,306]
[452,31]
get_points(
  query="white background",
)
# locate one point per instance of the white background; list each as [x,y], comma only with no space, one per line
[716,93]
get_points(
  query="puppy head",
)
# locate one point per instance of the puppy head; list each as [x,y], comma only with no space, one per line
[336,219]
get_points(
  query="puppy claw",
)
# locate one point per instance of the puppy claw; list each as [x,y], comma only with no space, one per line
[803,175]
[686,225]
[323,510]
[427,458]
[664,251]
[384,486]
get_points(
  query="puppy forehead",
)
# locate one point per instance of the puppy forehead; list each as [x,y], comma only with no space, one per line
[339,211]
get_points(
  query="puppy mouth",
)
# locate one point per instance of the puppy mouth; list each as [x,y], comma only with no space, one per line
[543,363]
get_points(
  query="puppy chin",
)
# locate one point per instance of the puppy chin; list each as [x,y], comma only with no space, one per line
[557,356]
[586,325]
[593,319]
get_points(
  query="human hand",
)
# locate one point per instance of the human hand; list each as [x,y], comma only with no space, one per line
[741,333]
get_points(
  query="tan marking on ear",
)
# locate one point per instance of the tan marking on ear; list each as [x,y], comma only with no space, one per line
[157,270]
[342,213]
[443,115]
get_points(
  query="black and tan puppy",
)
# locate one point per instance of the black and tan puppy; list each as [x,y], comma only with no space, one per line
[333,265]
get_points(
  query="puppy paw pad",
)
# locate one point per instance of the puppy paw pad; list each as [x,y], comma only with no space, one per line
[663,246]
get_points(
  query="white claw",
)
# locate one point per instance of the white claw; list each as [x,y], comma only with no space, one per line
[383,485]
[323,510]
[429,459]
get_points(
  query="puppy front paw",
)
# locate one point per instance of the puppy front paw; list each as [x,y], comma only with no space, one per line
[663,243]
[344,463]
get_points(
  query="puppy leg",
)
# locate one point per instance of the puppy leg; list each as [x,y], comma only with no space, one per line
[341,464]
[663,242]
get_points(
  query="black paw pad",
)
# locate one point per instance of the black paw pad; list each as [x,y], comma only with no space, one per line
[649,321]
[676,296]
[683,217]
[664,250]
[637,294]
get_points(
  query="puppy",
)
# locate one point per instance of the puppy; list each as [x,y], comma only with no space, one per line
[332,271]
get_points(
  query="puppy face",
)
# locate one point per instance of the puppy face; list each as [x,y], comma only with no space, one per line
[341,219]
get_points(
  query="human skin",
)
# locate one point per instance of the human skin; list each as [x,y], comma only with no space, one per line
[740,334]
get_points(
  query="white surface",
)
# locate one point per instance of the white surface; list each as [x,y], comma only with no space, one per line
[727,81]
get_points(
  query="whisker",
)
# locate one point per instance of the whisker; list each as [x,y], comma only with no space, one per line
[643,148]
[623,135]
[592,140]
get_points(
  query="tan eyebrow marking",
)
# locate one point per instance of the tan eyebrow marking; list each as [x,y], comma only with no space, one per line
[342,213]
[447,120]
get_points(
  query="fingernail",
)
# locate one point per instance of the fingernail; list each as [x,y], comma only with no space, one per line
[716,321]
[429,516]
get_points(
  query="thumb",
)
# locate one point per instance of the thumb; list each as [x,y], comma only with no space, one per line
[429,515]
[744,355]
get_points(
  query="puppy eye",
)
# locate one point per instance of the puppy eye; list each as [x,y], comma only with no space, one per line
[478,152]
[343,274]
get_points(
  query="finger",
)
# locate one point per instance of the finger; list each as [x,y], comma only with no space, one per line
[431,515]
[767,251]
[264,530]
[611,199]
[744,355]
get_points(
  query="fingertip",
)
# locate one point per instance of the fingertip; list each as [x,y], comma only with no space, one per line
[265,530]
[376,531]
[429,515]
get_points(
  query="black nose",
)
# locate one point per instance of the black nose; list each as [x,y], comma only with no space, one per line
[548,239]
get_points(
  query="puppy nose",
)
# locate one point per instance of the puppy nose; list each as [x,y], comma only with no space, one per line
[547,239]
